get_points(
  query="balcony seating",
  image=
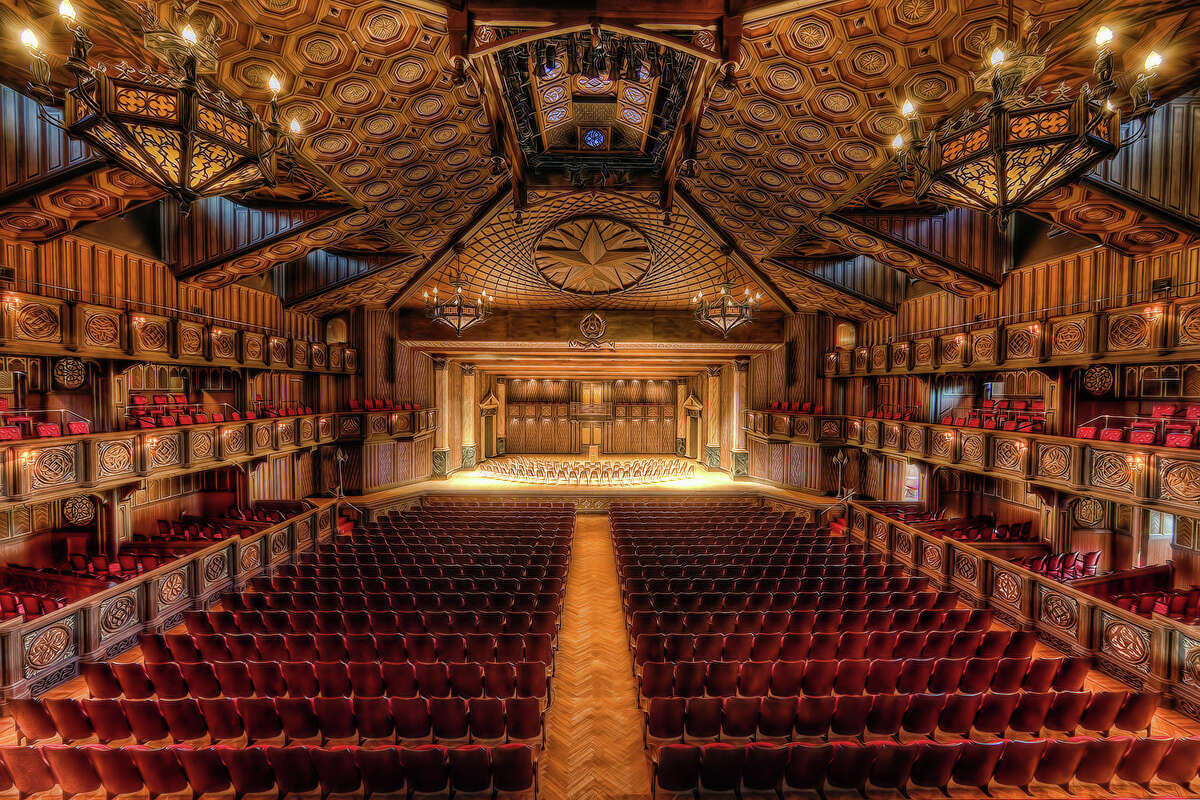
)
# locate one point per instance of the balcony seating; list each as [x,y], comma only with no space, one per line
[1063,566]
[1167,425]
[795,407]
[173,410]
[384,404]
[27,604]
[1181,605]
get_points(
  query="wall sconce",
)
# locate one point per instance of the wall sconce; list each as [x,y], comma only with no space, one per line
[1137,462]
[216,332]
[11,302]
[1153,312]
[139,322]
[151,443]
[1036,328]
[959,339]
[26,457]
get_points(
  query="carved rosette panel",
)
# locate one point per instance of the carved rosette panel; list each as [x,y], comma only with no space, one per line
[114,458]
[254,348]
[1059,611]
[879,531]
[971,449]
[216,568]
[151,335]
[966,567]
[983,347]
[320,354]
[1006,587]
[1111,471]
[1069,337]
[118,613]
[299,354]
[931,555]
[940,442]
[101,329]
[923,353]
[173,587]
[1020,342]
[1006,454]
[191,340]
[224,344]
[378,423]
[167,451]
[278,349]
[1188,324]
[69,373]
[1179,480]
[79,510]
[914,440]
[202,444]
[233,440]
[251,557]
[39,322]
[1097,379]
[1129,331]
[53,466]
[1124,641]
[1053,461]
[48,645]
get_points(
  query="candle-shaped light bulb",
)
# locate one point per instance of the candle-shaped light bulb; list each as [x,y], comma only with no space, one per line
[997,56]
[1104,35]
[898,141]
[1153,61]
[29,39]
[66,11]
[188,35]
[907,110]
[273,84]
[294,125]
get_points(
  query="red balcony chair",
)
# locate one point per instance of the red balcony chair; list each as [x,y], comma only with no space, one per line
[1112,435]
[1086,432]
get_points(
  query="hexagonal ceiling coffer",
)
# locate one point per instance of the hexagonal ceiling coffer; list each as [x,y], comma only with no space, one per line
[592,255]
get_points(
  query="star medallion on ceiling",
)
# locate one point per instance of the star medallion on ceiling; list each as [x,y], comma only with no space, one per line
[593,256]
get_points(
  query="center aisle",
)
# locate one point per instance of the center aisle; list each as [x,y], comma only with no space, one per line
[594,744]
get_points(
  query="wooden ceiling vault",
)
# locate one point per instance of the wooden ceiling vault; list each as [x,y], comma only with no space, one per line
[781,159]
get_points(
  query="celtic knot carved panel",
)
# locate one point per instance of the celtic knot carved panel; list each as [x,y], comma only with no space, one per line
[923,353]
[215,568]
[44,647]
[39,322]
[115,458]
[1111,471]
[279,543]
[1054,461]
[251,557]
[966,567]
[1007,454]
[173,587]
[1098,379]
[1021,343]
[1179,480]
[971,449]
[1068,336]
[1059,610]
[191,340]
[202,444]
[903,542]
[287,434]
[279,350]
[79,510]
[915,440]
[1007,587]
[252,347]
[1190,660]
[983,348]
[299,353]
[53,466]
[899,355]
[1189,324]
[1129,643]
[166,451]
[879,530]
[878,357]
[931,555]
[235,439]
[69,373]
[101,330]
[351,425]
[319,354]
[891,435]
[939,444]
[830,429]
[117,613]
[152,336]
[1088,512]
[1129,331]
[262,436]
[952,350]
[223,344]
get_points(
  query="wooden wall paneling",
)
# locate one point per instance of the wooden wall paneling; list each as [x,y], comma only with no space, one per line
[31,150]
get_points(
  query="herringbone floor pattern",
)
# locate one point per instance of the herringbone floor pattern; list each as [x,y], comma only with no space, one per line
[594,742]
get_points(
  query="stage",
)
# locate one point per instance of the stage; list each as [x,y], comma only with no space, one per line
[610,471]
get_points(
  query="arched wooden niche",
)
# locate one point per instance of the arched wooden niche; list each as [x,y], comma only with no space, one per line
[335,331]
[845,336]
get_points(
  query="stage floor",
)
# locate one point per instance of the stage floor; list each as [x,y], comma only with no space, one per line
[701,479]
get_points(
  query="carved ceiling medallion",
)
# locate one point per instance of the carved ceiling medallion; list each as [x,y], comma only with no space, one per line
[593,256]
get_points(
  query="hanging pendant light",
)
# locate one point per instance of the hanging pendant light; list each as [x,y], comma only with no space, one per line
[457,311]
[726,310]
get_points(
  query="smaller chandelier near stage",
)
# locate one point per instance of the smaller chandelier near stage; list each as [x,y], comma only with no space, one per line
[171,128]
[1021,144]
[726,310]
[457,311]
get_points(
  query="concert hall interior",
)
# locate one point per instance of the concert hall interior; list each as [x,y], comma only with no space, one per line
[600,400]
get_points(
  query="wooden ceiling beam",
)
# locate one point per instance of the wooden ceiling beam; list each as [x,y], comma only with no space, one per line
[889,308]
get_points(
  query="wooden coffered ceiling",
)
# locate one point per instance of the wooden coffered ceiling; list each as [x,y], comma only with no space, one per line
[792,156]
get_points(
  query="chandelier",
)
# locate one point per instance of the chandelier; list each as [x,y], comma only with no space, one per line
[457,311]
[1020,145]
[170,128]
[726,311]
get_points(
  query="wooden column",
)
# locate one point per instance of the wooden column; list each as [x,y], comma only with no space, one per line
[470,410]
[441,392]
[712,409]
[681,420]
[739,456]
[501,414]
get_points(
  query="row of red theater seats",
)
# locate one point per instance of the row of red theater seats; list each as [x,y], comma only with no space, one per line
[295,770]
[905,619]
[554,554]
[422,571]
[1172,434]
[171,680]
[383,404]
[888,593]
[257,720]
[476,648]
[358,585]
[376,622]
[739,720]
[398,601]
[801,646]
[747,586]
[852,766]
[992,421]
[555,567]
[44,430]
[754,561]
[856,676]
[795,407]
[756,573]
